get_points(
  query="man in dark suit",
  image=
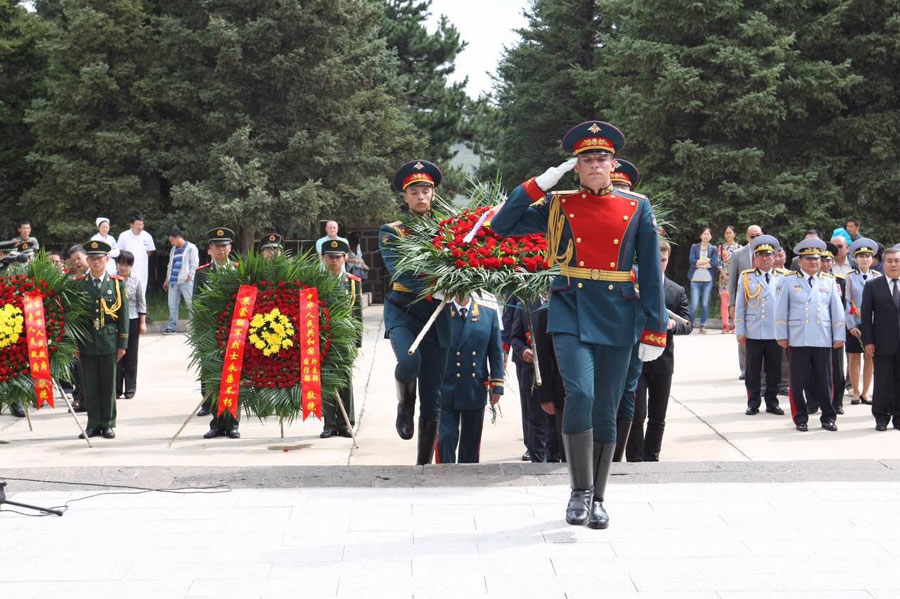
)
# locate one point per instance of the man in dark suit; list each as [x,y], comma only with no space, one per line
[652,397]
[881,338]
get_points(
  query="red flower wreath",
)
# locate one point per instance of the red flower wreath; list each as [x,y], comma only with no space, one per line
[279,370]
[14,355]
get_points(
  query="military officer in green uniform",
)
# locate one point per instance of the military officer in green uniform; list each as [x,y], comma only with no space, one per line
[107,342]
[219,248]
[272,246]
[335,254]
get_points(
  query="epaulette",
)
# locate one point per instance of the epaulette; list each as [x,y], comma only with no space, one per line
[353,277]
[540,202]
[829,275]
[202,266]
[839,276]
[564,192]
[632,193]
[80,277]
[792,273]
[785,271]
[749,270]
[116,278]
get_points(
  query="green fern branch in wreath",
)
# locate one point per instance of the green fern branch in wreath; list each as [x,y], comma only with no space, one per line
[67,321]
[271,382]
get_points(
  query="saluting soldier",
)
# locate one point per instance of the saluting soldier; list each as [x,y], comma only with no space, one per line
[594,233]
[219,247]
[474,368]
[809,320]
[405,313]
[272,246]
[107,342]
[863,251]
[754,320]
[335,253]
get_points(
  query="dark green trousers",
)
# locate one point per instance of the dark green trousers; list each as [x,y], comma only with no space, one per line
[332,413]
[98,381]
[225,422]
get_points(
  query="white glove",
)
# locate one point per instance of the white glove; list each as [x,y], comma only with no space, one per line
[438,295]
[648,353]
[553,174]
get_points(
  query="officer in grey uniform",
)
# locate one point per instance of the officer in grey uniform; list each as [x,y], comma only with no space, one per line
[754,318]
[809,320]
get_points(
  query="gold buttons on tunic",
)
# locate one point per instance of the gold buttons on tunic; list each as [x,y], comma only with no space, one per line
[611,286]
[615,242]
[580,285]
[584,195]
[457,353]
[581,263]
[474,353]
[612,264]
[457,364]
[624,217]
[632,203]
[474,364]
[458,375]
[563,200]
[571,215]
[473,375]
[578,240]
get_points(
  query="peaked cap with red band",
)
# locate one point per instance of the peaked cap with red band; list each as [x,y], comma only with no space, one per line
[591,137]
[626,172]
[417,172]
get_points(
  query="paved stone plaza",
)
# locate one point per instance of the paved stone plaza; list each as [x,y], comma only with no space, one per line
[740,506]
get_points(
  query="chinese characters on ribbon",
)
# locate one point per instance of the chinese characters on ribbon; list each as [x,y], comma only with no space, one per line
[310,358]
[230,387]
[38,352]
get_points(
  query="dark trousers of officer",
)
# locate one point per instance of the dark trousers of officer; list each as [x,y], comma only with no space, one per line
[536,424]
[886,398]
[652,403]
[98,381]
[126,370]
[331,412]
[763,353]
[811,381]
[427,365]
[838,380]
[594,377]
[462,429]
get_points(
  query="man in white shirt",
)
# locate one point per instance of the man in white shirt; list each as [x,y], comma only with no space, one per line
[140,243]
[842,264]
[331,233]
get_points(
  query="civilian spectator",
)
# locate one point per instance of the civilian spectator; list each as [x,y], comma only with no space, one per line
[852,228]
[77,261]
[741,260]
[102,234]
[24,236]
[877,266]
[184,258]
[126,369]
[726,249]
[139,242]
[842,264]
[704,261]
[331,233]
[358,266]
[881,338]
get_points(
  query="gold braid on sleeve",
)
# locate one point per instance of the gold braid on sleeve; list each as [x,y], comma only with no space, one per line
[556,223]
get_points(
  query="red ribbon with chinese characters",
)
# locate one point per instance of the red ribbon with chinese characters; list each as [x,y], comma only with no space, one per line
[230,387]
[38,352]
[310,358]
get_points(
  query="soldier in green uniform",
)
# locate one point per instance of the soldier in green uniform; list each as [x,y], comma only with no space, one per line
[272,246]
[107,342]
[219,248]
[335,254]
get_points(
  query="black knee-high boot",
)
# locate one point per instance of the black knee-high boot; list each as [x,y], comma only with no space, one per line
[427,435]
[623,427]
[603,456]
[406,408]
[579,456]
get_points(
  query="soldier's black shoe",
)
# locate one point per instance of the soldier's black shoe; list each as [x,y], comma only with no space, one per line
[91,431]
[896,424]
[811,410]
[752,411]
[802,427]
[775,410]
[829,425]
[839,410]
[526,457]
[599,519]
[880,426]
[343,431]
[204,410]
[328,432]
[108,433]
[406,409]
[213,433]
[17,410]
[129,395]
[579,508]
[233,434]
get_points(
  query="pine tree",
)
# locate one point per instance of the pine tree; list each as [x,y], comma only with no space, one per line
[303,107]
[426,62]
[91,125]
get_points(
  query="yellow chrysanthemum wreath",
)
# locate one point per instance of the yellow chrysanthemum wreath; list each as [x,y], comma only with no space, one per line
[11,322]
[271,332]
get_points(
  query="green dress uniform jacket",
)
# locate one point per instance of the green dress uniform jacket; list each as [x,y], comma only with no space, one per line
[330,410]
[108,334]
